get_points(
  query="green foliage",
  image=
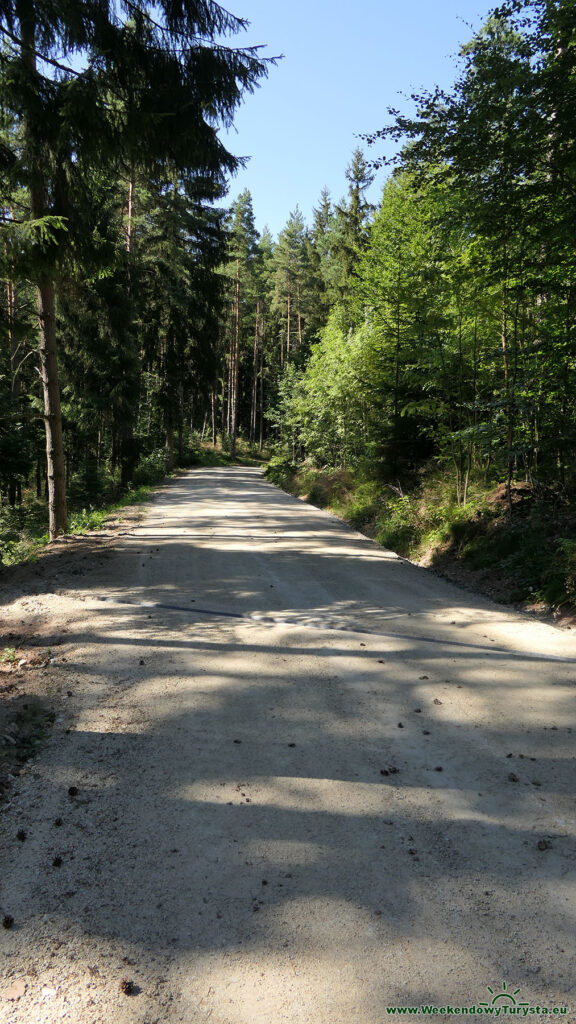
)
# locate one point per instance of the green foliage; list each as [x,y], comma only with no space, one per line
[23,531]
[87,519]
[280,470]
[151,469]
[108,191]
[559,578]
[23,528]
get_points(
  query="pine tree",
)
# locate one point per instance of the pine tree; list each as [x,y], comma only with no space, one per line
[291,285]
[351,224]
[322,268]
[241,273]
[151,92]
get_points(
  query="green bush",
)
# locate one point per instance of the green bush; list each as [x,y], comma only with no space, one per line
[151,469]
[399,525]
[87,519]
[281,471]
[559,585]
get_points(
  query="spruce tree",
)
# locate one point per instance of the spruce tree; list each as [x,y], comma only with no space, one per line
[241,274]
[291,283]
[351,223]
[91,84]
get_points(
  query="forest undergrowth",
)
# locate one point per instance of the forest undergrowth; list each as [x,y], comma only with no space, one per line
[524,554]
[24,527]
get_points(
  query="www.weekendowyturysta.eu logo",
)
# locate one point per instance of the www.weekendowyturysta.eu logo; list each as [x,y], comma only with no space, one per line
[504,997]
[502,1004]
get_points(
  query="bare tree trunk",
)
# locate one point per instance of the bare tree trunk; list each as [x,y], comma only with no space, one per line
[288,311]
[130,212]
[14,487]
[126,453]
[299,320]
[223,410]
[169,447]
[397,361]
[57,510]
[230,376]
[46,304]
[213,410]
[467,477]
[504,345]
[261,440]
[235,367]
[253,410]
[11,310]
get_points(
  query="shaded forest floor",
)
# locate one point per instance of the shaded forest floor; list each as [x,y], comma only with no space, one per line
[525,556]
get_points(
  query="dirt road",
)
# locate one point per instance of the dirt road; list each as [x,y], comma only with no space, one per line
[296,779]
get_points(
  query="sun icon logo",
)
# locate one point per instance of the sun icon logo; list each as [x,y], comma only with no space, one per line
[503,996]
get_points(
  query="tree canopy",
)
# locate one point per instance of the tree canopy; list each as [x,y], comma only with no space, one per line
[437,326]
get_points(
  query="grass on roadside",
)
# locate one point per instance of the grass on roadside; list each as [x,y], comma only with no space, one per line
[527,557]
[24,528]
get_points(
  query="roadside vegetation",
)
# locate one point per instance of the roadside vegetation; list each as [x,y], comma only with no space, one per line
[526,558]
[24,527]
[411,365]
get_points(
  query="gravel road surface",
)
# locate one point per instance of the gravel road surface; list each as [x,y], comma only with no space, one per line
[294,778]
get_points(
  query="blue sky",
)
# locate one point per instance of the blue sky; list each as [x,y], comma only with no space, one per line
[344,64]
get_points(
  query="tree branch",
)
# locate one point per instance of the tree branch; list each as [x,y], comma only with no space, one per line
[41,56]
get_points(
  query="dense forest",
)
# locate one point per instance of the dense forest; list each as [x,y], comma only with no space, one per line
[142,315]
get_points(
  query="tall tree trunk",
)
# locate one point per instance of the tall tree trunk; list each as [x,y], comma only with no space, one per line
[261,441]
[508,403]
[299,319]
[235,366]
[230,375]
[169,447]
[126,447]
[57,511]
[223,410]
[397,363]
[40,467]
[130,212]
[254,406]
[14,486]
[13,344]
[46,300]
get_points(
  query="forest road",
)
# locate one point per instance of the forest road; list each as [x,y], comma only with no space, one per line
[310,782]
